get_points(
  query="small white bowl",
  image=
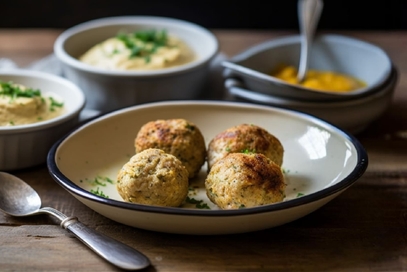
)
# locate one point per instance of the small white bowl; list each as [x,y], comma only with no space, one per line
[353,115]
[24,146]
[337,53]
[109,90]
[310,145]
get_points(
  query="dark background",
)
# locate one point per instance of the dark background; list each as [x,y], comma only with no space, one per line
[266,14]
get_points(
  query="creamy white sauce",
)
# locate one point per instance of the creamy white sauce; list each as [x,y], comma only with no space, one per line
[113,54]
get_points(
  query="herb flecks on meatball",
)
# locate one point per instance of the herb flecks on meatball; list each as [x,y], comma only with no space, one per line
[153,177]
[244,180]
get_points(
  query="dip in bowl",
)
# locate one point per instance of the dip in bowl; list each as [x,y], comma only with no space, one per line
[109,89]
[141,50]
[22,105]
[48,107]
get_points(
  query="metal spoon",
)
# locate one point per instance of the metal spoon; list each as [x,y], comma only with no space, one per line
[17,198]
[309,12]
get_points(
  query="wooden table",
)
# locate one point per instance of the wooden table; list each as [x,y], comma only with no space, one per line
[364,229]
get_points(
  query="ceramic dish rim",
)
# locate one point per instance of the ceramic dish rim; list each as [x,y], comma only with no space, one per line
[132,20]
[234,63]
[43,76]
[357,172]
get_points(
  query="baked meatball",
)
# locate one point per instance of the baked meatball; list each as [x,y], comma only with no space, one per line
[153,177]
[241,180]
[178,137]
[245,138]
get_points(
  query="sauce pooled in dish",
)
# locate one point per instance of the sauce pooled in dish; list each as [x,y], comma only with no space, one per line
[320,80]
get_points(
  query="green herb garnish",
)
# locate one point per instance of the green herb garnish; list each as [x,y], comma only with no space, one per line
[14,91]
[99,193]
[202,206]
[144,43]
[102,181]
[55,104]
[248,151]
[198,203]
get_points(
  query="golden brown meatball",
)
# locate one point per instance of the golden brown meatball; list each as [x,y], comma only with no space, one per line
[153,177]
[245,138]
[241,180]
[178,137]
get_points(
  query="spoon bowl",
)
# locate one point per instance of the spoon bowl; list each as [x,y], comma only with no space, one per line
[20,199]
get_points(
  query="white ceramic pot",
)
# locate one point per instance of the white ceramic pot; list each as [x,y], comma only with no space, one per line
[109,90]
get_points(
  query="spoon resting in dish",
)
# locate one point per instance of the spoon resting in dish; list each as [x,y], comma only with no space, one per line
[309,12]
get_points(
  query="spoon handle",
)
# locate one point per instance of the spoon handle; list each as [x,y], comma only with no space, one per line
[111,250]
[309,12]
